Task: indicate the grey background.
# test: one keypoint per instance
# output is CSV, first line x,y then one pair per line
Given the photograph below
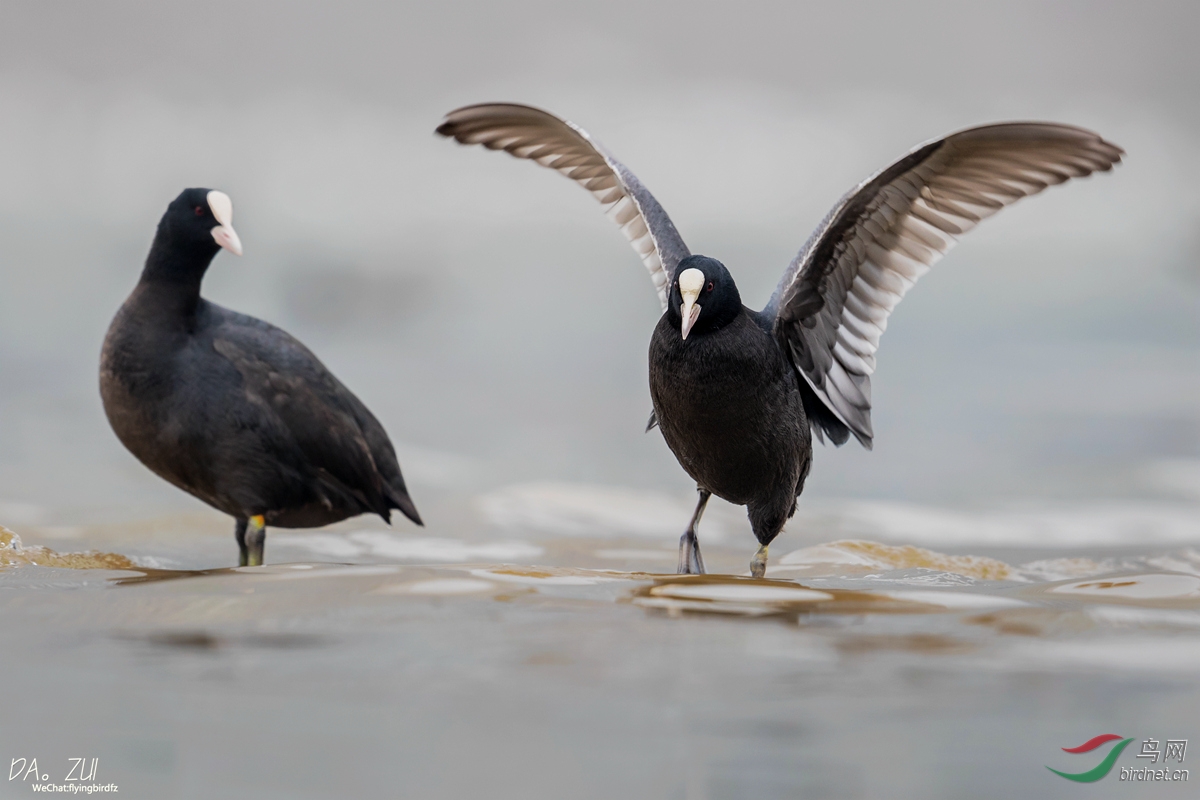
x,y
486,309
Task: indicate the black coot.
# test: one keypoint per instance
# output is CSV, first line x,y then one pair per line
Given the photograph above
x,y
736,392
234,410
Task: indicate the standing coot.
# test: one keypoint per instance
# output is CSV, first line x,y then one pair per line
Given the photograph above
x,y
234,410
736,391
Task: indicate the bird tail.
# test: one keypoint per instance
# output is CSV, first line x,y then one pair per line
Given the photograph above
x,y
398,498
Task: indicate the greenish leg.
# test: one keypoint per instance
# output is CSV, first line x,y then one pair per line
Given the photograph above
x,y
239,533
256,539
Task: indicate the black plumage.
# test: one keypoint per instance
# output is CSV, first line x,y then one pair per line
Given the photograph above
x,y
739,393
232,409
728,403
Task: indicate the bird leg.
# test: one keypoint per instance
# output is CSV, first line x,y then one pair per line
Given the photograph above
x,y
758,564
256,537
690,562
239,533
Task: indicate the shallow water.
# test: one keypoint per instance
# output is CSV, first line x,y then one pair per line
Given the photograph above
x,y
1010,572
509,660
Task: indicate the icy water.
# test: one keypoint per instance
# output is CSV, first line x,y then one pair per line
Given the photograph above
x,y
545,651
1012,571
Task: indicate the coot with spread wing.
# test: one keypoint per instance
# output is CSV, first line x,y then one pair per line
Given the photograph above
x,y
738,393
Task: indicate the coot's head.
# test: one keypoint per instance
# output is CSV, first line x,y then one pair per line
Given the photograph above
x,y
196,226
200,221
703,296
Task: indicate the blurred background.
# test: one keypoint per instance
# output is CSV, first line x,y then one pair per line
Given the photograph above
x,y
1037,405
492,317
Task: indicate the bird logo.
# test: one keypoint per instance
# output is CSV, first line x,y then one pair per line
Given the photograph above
x,y
1104,767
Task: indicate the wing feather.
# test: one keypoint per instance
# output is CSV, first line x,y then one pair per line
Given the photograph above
x,y
832,305
530,133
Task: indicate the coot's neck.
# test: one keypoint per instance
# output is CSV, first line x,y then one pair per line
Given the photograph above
x,y
173,274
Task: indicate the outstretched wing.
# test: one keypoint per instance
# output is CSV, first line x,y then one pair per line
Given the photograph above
x,y
527,132
833,302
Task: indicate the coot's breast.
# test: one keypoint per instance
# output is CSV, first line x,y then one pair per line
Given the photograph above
x,y
161,395
730,409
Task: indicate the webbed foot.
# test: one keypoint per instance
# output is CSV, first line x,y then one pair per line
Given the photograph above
x,y
758,564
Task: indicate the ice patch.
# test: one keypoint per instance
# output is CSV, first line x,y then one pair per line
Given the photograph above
x,y
439,587
1144,617
389,545
330,545
715,594
1092,525
550,576
955,601
1136,587
1062,569
737,592
155,562
308,571
1187,560
1130,653
862,555
629,554
381,544
585,510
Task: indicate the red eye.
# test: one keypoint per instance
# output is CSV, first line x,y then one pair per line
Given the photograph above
x,y
710,287
199,211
